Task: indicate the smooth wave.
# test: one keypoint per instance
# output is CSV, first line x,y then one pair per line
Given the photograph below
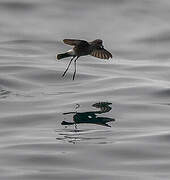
x,y
130,139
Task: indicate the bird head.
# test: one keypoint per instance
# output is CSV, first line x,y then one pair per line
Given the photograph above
x,y
98,43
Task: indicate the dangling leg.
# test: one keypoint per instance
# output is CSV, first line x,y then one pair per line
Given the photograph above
x,y
68,66
75,67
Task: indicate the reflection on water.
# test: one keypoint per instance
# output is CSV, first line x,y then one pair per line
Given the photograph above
x,y
76,134
91,116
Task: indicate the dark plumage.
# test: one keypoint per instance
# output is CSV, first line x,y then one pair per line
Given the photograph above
x,y
83,48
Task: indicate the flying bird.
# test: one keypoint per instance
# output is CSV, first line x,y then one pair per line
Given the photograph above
x,y
83,48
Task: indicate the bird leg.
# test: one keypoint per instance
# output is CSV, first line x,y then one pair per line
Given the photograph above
x,y
68,66
75,67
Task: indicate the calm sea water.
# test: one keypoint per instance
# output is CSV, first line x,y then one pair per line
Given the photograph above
x,y
35,99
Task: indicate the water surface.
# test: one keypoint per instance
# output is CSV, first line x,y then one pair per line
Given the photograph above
x,y
33,96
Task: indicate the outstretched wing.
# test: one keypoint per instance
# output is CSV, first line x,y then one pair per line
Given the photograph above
x,y
72,42
101,53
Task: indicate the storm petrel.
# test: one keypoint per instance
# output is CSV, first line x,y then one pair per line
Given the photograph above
x,y
83,48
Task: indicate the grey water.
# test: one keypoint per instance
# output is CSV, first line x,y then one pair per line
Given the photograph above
x,y
35,99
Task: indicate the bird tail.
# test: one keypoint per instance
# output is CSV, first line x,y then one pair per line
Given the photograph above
x,y
67,123
63,55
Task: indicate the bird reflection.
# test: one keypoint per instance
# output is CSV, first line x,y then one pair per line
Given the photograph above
x,y
91,117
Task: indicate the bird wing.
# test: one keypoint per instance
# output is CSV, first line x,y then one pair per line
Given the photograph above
x,y
101,53
72,42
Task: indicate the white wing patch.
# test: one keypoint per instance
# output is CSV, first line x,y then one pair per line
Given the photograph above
x,y
71,52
